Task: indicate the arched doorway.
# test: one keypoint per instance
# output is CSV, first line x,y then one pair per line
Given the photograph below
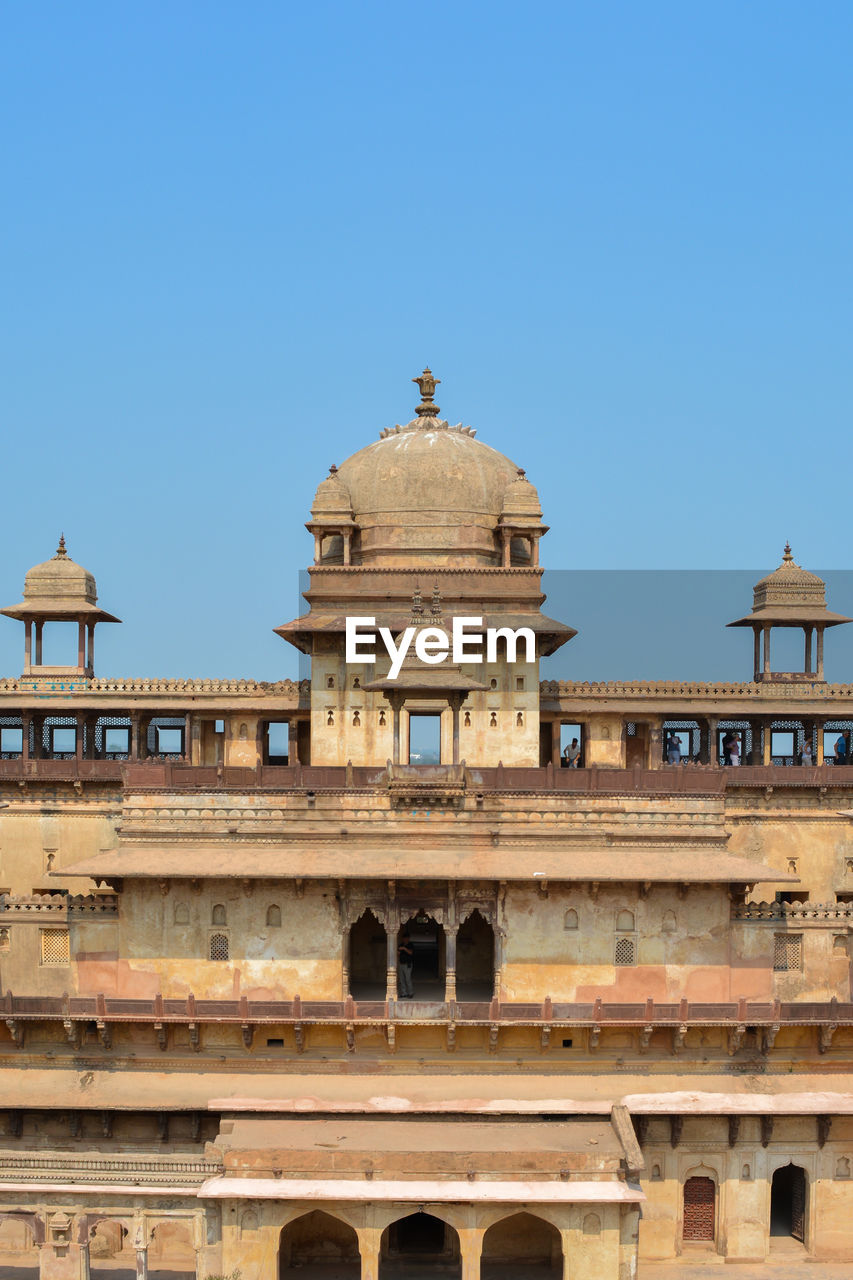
x,y
788,1203
171,1253
475,959
419,1245
368,958
700,1202
428,945
522,1245
319,1246
19,1254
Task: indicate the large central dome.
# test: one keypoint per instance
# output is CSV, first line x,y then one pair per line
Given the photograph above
x,y
428,489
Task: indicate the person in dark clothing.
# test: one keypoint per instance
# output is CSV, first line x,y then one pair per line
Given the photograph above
x,y
405,960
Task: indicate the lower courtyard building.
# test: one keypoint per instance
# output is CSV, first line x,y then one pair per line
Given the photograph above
x,y
623,911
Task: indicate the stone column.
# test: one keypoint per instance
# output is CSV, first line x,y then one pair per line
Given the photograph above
x,y
555,744
818,742
807,632
134,737
292,742
756,652
766,651
450,963
471,1247
455,701
28,644
39,629
369,1239
499,957
396,706
820,653
391,938
345,961
26,720
90,665
81,644
79,730
713,755
85,1264
767,754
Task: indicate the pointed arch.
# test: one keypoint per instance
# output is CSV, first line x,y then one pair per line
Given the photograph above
x,y
417,1244
788,1202
368,957
315,1242
475,958
521,1244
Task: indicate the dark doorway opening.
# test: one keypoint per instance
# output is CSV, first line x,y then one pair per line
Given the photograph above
x,y
419,1245
368,958
428,945
788,1203
475,959
319,1247
424,738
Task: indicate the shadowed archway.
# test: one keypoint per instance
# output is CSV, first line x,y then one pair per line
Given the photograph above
x,y
419,1245
368,958
521,1246
475,959
788,1203
318,1247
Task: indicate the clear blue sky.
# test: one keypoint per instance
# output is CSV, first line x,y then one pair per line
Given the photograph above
x,y
620,234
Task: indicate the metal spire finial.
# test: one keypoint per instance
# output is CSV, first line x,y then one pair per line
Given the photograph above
x,y
788,555
61,553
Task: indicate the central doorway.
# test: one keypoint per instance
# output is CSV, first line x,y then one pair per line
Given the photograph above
x,y
428,944
424,738
419,1245
788,1203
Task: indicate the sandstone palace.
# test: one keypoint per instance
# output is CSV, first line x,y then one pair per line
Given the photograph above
x,y
629,1032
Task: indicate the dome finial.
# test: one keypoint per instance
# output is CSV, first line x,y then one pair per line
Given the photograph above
x,y
61,553
788,555
427,384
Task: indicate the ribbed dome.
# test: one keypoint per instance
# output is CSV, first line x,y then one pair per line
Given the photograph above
x,y
332,502
428,490
521,501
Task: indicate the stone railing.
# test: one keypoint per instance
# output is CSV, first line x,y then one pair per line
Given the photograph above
x,y
179,1171
794,911
747,690
136,685
59,904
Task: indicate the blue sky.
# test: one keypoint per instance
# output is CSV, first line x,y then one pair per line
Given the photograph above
x,y
619,233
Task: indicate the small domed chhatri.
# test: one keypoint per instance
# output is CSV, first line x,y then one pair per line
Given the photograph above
x,y
59,590
429,490
789,597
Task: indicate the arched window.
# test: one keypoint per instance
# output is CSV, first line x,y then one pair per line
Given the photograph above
x,y
274,916
625,921
218,946
570,920
218,914
182,913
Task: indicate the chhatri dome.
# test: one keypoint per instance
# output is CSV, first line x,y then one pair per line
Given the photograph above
x,y
430,490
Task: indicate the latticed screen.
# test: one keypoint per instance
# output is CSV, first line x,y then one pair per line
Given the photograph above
x,y
218,946
55,946
787,951
699,1209
625,951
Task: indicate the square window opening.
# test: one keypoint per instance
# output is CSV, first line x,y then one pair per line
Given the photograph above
x,y
11,742
277,741
424,739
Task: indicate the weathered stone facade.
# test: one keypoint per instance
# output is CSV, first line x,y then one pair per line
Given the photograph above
x,y
632,1029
